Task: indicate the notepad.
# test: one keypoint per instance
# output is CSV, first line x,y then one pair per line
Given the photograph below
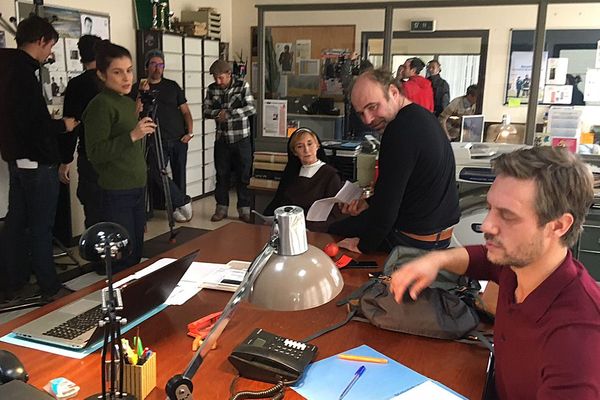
x,y
327,378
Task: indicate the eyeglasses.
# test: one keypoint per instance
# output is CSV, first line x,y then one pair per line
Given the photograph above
x,y
157,65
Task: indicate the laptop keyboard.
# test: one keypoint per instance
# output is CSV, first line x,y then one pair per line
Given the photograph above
x,y
77,325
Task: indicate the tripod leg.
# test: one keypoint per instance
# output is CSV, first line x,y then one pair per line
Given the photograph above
x,y
162,168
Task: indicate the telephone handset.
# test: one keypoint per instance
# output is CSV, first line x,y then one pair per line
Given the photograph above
x,y
266,357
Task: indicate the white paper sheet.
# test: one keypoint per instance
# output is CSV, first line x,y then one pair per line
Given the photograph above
x,y
192,282
427,390
320,209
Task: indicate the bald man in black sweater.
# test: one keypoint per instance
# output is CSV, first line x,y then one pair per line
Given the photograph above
x,y
415,201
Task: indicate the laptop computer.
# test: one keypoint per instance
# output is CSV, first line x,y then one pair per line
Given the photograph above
x,y
471,129
76,324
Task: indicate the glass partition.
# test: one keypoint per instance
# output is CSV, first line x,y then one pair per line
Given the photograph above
x,y
310,61
568,113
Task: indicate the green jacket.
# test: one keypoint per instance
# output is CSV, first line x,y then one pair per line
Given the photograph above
x,y
108,120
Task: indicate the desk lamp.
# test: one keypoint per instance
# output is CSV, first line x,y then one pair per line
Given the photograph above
x,y
287,275
107,241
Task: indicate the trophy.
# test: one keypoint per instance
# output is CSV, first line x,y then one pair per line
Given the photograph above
x,y
154,14
163,9
170,21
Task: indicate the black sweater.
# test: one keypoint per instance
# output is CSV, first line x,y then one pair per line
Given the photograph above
x,y
416,190
27,129
80,91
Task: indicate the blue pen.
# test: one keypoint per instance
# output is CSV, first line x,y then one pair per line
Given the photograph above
x,y
357,375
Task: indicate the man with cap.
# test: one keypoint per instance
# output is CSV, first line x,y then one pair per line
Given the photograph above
x,y
174,119
229,102
80,91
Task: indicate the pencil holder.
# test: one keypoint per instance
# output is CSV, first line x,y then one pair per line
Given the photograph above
x,y
139,380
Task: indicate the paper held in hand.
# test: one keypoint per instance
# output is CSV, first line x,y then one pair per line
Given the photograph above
x,y
320,209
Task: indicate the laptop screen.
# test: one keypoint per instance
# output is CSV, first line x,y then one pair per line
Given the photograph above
x,y
471,129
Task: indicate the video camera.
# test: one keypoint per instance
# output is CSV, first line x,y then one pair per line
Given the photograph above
x,y
149,104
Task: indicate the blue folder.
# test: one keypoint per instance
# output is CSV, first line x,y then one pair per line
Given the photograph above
x,y
327,379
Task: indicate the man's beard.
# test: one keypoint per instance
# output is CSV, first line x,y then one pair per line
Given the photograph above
x,y
526,253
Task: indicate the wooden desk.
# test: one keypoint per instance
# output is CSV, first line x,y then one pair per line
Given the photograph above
x,y
459,366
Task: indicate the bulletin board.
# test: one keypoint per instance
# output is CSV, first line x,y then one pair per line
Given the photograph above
x,y
302,75
70,24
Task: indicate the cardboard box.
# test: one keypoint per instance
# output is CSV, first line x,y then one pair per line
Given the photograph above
x,y
139,380
195,28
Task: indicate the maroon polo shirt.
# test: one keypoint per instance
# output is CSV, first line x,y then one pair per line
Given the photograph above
x,y
548,346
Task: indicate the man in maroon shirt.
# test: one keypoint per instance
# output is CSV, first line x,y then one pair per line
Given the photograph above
x,y
547,329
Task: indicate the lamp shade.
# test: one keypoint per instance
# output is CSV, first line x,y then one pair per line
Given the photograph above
x,y
94,240
299,279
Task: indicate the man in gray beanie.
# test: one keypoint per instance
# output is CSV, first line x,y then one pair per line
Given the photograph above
x,y
176,127
229,102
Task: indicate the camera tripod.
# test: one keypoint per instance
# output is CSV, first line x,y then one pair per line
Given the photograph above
x,y
161,165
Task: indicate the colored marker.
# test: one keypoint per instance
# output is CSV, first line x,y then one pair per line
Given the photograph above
x,y
352,357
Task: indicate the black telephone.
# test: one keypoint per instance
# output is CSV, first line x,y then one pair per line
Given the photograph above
x,y
266,357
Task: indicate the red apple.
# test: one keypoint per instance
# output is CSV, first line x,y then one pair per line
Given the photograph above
x,y
331,249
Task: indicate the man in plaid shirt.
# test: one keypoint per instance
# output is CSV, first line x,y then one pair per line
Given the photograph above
x,y
229,102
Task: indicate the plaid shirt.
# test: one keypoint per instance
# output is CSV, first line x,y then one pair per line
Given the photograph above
x,y
239,103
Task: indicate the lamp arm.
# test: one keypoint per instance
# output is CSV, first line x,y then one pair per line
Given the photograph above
x,y
180,386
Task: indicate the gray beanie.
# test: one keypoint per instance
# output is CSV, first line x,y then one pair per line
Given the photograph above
x,y
153,53
220,67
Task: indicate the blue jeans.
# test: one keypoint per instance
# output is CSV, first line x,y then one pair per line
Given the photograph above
x,y
126,208
175,153
236,156
26,240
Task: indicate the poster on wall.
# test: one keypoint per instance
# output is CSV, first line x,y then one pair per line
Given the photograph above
x,y
72,55
275,118
592,86
66,21
95,25
519,75
558,94
285,56
303,48
308,67
556,72
58,54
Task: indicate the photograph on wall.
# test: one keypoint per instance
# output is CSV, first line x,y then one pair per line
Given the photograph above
x,y
58,85
94,25
519,75
303,48
66,22
556,72
275,118
285,56
58,55
558,94
72,55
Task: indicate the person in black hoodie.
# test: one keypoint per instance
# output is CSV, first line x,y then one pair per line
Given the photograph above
x,y
28,143
441,89
80,91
